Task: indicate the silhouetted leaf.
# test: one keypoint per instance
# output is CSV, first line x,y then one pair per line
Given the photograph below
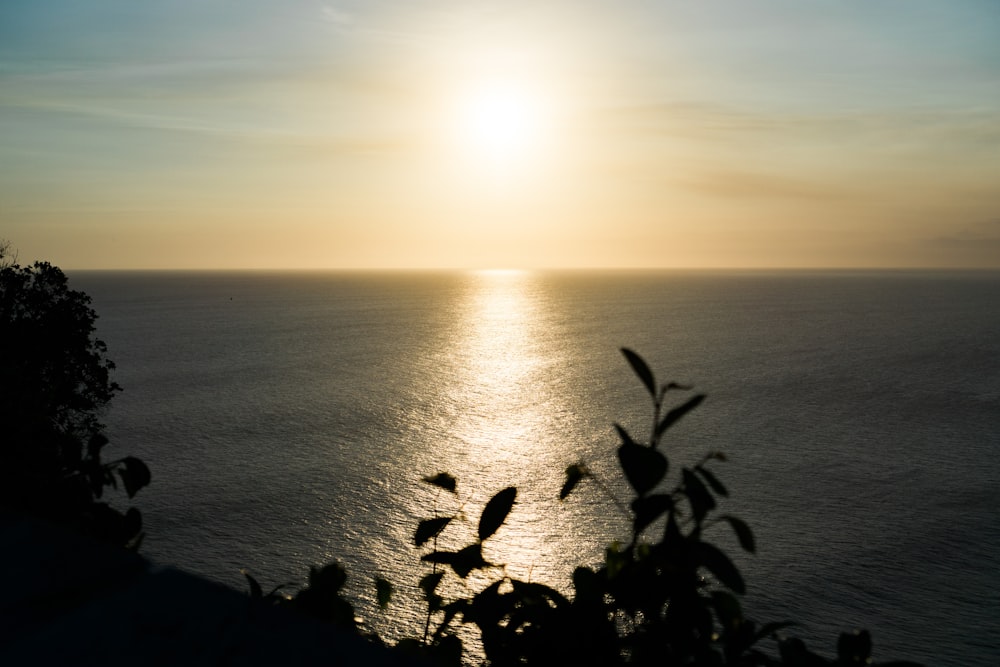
x,y
615,559
643,467
701,500
429,528
134,474
96,476
533,592
496,511
728,609
135,543
447,651
451,610
328,579
256,593
719,565
650,508
673,542
383,592
574,474
443,480
429,583
106,475
712,480
323,604
488,606
854,648
587,585
462,562
671,417
276,594
641,369
94,445
442,557
624,435
468,559
769,629
743,532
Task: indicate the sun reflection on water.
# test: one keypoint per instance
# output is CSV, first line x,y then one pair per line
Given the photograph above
x,y
496,413
510,418
497,360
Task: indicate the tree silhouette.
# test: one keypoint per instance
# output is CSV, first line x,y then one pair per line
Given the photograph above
x,y
55,382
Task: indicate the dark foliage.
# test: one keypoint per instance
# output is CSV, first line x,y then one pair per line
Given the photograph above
x,y
55,381
667,597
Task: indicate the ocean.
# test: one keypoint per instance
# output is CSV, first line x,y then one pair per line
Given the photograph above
x,y
288,418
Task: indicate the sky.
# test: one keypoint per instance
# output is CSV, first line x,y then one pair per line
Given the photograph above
x,y
521,134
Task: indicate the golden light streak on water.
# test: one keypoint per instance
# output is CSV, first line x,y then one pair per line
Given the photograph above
x,y
499,416
512,419
496,366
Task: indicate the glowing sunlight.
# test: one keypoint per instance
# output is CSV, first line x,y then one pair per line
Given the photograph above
x,y
502,122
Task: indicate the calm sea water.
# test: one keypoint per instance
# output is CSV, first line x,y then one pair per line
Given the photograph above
x,y
288,418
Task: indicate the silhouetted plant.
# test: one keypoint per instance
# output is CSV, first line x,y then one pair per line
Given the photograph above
x,y
666,597
54,384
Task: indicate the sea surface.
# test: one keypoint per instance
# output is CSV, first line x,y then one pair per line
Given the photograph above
x,y
288,418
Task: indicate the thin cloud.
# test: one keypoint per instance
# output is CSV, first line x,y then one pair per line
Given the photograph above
x,y
985,234
337,17
235,98
976,245
755,185
687,117
270,139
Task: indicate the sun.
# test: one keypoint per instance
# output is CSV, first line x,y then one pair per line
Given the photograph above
x,y
502,121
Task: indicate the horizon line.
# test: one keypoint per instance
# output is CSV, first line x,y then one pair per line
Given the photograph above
x,y
520,270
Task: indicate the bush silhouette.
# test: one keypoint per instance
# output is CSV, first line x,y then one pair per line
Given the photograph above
x,y
54,384
667,596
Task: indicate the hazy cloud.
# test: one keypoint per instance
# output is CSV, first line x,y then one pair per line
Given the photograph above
x,y
975,236
974,245
757,185
704,118
336,16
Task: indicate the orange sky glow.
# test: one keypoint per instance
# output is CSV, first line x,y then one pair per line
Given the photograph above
x,y
440,134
